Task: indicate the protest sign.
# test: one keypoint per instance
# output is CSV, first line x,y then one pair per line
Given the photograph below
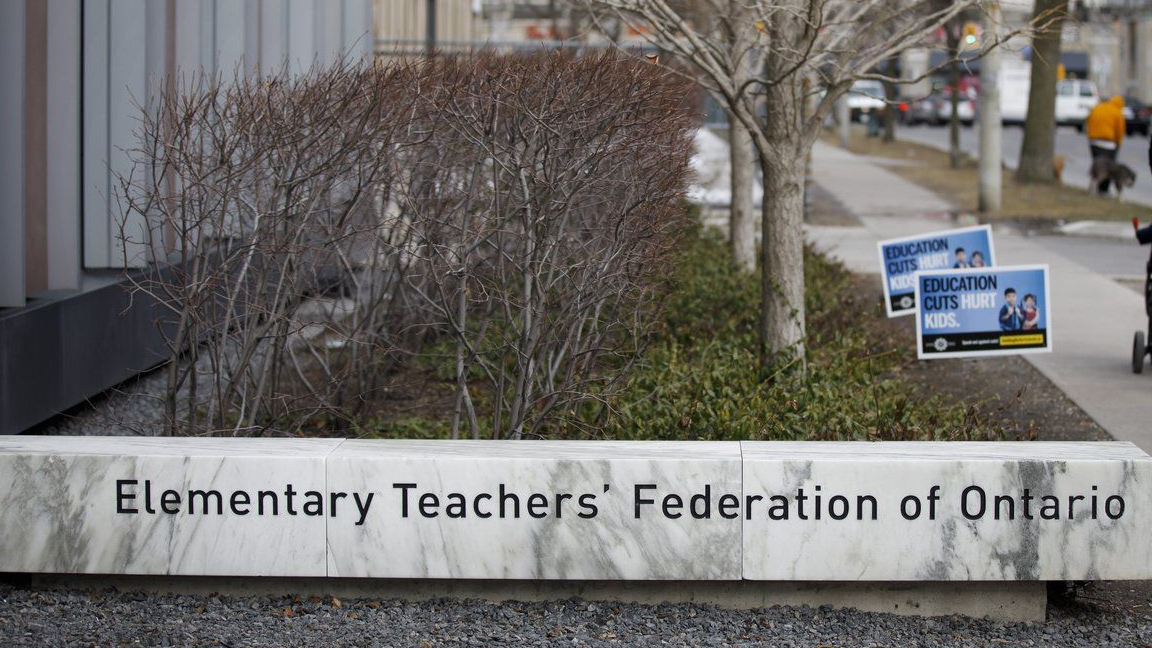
x,y
979,312
968,247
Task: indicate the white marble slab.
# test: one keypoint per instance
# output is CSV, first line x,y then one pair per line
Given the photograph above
x,y
611,545
78,505
59,501
952,546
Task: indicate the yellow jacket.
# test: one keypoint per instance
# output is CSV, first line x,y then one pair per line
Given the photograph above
x,y
1106,121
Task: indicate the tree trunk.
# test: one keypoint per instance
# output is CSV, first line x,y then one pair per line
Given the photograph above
x,y
892,107
1040,125
741,232
741,221
953,31
782,217
843,122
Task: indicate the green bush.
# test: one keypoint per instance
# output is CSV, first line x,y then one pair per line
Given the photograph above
x,y
700,378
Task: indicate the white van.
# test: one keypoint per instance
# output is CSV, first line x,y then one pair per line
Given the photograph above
x,y
865,99
1075,98
1015,79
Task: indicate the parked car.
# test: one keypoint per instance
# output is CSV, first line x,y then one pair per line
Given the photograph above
x,y
866,98
1136,116
936,109
1075,98
965,108
922,111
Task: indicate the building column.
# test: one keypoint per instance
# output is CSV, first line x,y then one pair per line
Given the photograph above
x,y
63,144
12,153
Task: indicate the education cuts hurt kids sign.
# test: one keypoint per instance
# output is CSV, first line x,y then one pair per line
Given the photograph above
x,y
968,247
975,312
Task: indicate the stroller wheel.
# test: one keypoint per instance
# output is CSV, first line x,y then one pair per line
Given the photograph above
x,y
1138,350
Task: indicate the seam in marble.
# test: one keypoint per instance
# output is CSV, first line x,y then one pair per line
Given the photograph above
x,y
743,565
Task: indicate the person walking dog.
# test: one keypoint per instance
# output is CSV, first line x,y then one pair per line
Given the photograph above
x,y
1105,129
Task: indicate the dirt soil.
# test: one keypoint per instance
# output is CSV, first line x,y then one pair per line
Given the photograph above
x,y
1007,391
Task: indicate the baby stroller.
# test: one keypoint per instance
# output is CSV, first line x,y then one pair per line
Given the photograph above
x,y
1140,347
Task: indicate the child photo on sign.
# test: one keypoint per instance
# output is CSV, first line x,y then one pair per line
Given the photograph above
x,y
1011,317
1031,313
961,258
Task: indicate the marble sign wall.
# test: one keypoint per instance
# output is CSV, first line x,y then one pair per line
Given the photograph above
x,y
576,510
105,505
536,510
949,511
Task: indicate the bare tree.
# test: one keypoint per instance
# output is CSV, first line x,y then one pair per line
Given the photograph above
x,y
742,157
741,215
1039,143
545,213
741,219
800,57
258,197
307,236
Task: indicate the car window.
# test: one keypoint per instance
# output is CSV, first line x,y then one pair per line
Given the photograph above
x,y
1086,90
1064,90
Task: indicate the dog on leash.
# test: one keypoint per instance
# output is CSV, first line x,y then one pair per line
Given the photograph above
x,y
1120,175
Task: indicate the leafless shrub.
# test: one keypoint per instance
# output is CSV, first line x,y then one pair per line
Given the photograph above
x,y
306,234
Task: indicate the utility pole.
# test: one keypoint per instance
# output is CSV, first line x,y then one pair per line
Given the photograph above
x,y
990,127
430,29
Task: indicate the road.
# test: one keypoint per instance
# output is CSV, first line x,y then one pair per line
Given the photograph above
x,y
1069,143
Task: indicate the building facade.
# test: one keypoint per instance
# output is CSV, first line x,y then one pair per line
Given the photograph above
x,y
76,75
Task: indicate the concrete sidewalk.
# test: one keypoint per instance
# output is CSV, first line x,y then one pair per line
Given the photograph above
x,y
1093,317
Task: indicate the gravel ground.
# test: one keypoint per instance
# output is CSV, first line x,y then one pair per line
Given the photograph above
x,y
58,618
135,407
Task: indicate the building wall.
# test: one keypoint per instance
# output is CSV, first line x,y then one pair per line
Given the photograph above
x,y
130,44
1100,41
1142,66
76,75
400,26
